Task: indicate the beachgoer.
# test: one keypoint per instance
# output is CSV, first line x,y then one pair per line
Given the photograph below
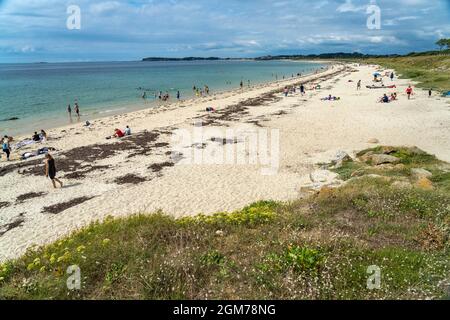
x,y
77,109
392,76
69,110
36,137
393,97
128,131
358,86
50,170
178,95
118,133
409,92
286,91
6,147
302,89
430,93
43,136
144,95
242,84
385,99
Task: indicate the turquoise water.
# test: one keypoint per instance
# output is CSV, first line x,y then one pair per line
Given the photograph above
x,y
38,94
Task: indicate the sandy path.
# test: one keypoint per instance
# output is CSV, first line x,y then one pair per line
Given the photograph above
x,y
311,131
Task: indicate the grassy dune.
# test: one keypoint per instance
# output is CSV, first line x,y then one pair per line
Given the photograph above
x,y
431,71
314,248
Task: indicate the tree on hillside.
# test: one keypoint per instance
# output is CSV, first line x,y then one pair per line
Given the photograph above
x,y
443,43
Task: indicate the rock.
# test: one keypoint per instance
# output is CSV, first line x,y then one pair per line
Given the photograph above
x,y
388,150
425,184
419,173
340,158
220,233
11,119
326,192
402,185
378,159
323,176
367,156
400,166
417,151
373,141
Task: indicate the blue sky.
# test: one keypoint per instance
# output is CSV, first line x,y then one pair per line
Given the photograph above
x,y
35,30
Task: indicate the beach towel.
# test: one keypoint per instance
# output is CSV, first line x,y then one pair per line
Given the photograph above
x,y
381,87
23,143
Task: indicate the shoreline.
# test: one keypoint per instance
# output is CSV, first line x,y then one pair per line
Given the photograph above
x,y
62,119
154,104
104,177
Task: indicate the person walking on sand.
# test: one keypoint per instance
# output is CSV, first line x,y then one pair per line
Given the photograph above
x,y
6,147
358,86
302,89
430,93
409,92
392,76
50,170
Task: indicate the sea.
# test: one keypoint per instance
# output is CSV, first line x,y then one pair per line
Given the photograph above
x,y
36,96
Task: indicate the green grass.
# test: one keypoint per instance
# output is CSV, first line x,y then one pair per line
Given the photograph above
x,y
431,71
315,248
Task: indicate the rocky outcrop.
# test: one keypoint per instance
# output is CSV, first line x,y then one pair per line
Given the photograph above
x,y
419,173
378,159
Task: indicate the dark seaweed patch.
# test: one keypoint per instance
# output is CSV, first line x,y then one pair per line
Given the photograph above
x,y
4,204
130,179
60,207
28,196
9,226
157,167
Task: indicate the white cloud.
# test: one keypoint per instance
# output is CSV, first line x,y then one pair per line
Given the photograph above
x,y
348,6
103,7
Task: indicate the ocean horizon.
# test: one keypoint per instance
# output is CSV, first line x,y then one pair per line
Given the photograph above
x,y
36,95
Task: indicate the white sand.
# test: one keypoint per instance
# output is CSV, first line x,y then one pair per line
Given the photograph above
x,y
311,131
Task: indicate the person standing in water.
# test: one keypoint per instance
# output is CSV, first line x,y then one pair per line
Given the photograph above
x,y
77,109
69,110
178,95
242,84
50,170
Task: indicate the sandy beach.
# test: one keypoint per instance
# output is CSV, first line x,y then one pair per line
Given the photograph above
x,y
145,173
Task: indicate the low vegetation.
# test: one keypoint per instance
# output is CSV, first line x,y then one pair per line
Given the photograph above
x,y
431,71
321,247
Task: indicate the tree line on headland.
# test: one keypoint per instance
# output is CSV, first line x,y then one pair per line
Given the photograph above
x,y
443,44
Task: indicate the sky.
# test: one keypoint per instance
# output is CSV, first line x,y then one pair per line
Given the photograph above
x,y
120,30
